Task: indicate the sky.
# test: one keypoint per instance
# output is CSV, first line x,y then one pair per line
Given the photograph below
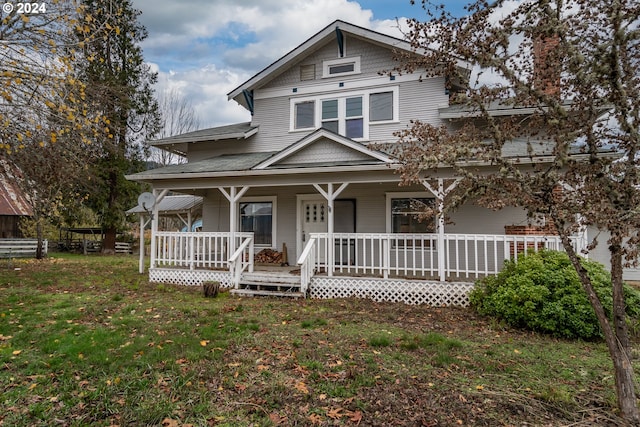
x,y
203,49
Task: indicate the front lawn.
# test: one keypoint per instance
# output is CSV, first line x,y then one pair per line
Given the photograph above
x,y
88,341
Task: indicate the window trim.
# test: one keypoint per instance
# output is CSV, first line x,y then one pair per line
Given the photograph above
x,y
341,97
407,195
274,216
326,66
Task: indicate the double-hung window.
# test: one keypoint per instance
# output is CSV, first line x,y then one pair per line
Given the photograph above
x,y
348,114
381,107
344,116
305,115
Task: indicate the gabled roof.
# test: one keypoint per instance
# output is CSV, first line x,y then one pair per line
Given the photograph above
x,y
324,36
178,143
348,150
302,154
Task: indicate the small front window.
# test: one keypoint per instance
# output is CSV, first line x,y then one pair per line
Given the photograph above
x,y
257,217
406,216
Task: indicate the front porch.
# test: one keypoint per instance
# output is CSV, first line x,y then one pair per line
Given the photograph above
x,y
435,269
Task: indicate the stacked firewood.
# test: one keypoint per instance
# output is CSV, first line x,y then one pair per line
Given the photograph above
x,y
269,256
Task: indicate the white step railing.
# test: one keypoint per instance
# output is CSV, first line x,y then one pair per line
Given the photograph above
x,y
307,263
241,260
194,249
417,255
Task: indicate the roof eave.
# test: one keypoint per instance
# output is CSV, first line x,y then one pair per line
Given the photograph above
x,y
293,55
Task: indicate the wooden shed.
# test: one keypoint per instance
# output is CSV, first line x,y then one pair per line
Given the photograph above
x,y
13,204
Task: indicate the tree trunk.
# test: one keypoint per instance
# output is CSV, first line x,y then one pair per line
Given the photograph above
x,y
616,337
625,384
39,248
109,241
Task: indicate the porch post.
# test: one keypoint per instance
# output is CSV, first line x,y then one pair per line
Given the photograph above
x,y
331,196
154,226
233,196
141,259
440,194
441,249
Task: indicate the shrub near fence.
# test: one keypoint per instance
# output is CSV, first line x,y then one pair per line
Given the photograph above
x,y
542,292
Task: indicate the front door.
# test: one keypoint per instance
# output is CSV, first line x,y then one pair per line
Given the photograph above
x,y
314,218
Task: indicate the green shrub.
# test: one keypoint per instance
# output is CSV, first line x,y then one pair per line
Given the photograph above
x,y
542,292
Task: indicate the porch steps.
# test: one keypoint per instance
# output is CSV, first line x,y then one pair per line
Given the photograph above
x,y
266,283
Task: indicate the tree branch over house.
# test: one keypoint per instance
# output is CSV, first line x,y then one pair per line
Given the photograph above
x,y
560,77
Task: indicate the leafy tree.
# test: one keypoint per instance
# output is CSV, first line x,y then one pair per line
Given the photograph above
x,y
120,86
567,72
46,123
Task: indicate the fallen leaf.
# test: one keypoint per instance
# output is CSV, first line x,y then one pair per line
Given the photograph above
x,y
277,419
315,419
356,417
204,343
168,422
16,352
335,413
302,387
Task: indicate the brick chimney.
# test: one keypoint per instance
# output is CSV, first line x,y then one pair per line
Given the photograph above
x,y
546,64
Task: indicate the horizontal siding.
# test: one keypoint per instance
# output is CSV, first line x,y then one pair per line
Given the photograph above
x,y
374,59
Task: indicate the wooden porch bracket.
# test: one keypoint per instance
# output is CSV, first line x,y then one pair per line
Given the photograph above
x,y
233,196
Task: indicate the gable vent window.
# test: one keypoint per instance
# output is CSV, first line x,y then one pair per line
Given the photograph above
x,y
341,67
307,72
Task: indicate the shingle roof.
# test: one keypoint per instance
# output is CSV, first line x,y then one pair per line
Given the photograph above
x,y
169,204
224,163
234,131
12,200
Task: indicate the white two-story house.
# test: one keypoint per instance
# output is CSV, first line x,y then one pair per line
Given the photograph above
x,y
302,176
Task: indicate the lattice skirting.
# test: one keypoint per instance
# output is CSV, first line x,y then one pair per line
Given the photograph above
x,y
189,277
411,292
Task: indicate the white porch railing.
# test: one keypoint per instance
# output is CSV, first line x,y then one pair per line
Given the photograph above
x,y
417,255
195,249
